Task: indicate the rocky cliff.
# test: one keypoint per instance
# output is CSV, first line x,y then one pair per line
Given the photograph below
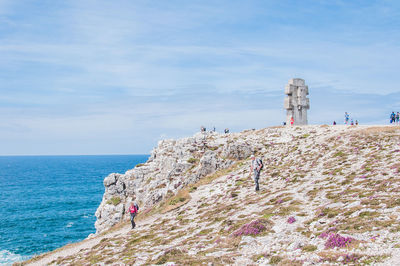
x,y
173,164
329,196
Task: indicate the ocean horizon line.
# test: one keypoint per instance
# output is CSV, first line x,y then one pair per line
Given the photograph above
x,y
66,155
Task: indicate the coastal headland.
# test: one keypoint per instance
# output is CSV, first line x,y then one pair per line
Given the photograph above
x,y
328,194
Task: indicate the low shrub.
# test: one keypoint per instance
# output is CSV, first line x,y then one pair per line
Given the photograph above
x,y
254,228
336,240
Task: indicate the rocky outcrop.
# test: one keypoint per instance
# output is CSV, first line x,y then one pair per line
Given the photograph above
x,y
172,165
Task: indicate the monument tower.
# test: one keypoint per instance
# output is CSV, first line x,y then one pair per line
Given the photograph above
x,y
296,102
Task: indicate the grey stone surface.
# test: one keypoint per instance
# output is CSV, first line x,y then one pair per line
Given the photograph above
x,y
296,102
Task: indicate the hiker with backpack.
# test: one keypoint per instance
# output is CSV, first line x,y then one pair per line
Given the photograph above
x,y
256,167
133,210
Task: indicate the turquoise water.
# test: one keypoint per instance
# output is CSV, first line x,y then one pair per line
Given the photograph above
x,y
49,201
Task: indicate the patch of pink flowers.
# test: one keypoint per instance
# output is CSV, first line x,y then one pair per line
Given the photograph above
x,y
327,232
336,240
291,220
253,228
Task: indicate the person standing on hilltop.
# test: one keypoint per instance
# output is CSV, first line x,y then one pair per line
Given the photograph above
x,y
346,118
397,118
392,118
133,210
256,166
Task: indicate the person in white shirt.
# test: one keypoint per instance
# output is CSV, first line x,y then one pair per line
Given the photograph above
x,y
256,166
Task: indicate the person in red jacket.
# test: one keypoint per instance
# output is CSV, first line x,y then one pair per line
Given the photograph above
x,y
133,210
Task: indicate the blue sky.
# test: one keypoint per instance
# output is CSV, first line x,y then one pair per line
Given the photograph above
x,y
114,77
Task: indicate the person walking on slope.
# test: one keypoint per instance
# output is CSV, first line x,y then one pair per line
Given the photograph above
x,y
256,166
133,210
397,118
291,121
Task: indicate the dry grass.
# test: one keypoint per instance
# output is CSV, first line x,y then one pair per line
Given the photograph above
x,y
209,178
180,199
377,130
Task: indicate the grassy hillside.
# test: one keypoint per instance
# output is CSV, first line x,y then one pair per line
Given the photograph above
x,y
328,195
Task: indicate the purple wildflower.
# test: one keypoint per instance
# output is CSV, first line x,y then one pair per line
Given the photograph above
x,y
328,232
291,220
336,240
253,228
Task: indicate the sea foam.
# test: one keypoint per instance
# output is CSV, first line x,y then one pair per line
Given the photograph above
x,y
8,258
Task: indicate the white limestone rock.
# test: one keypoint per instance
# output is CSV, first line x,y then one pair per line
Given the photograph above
x,y
171,166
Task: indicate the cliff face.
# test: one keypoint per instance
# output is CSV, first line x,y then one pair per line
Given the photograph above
x,y
329,195
172,165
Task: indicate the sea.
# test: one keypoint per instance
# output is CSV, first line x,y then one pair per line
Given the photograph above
x,y
47,202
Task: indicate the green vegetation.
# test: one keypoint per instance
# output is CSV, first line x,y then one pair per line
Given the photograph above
x,y
192,160
275,260
339,154
114,201
175,201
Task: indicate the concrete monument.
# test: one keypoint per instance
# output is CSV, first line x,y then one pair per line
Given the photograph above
x,y
296,102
